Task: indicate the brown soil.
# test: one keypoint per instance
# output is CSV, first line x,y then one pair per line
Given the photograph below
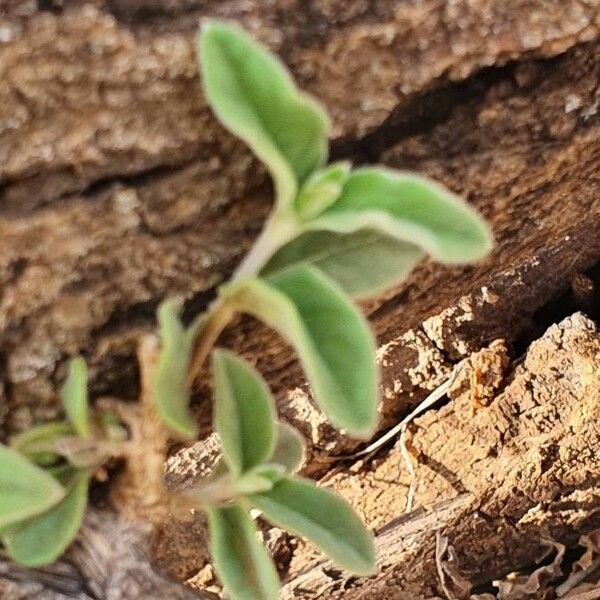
x,y
118,188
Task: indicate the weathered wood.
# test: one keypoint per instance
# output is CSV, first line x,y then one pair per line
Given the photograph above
x,y
131,102
118,188
513,475
109,561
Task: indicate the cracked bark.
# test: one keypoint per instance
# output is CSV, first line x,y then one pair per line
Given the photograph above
x,y
498,484
117,188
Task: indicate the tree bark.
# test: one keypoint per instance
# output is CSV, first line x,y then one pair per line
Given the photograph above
x,y
118,188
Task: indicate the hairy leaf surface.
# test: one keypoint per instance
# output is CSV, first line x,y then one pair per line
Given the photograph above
x,y
254,96
362,263
42,539
74,396
323,518
410,208
329,334
244,413
26,490
170,379
244,566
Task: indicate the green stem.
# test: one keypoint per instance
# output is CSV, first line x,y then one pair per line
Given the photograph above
x,y
217,317
278,231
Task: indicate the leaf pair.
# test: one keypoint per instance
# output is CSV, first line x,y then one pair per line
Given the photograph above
x,y
244,419
379,227
328,332
42,510
40,540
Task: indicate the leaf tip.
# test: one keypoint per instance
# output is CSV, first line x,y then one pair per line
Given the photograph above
x,y
211,25
362,430
368,567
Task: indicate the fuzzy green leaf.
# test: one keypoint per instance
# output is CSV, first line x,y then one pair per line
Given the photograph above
x,y
170,379
330,335
290,448
244,566
25,489
321,190
74,396
42,539
323,518
410,208
244,413
259,479
254,96
362,263
37,442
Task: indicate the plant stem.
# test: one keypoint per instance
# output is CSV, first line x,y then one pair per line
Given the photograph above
x,y
217,317
277,231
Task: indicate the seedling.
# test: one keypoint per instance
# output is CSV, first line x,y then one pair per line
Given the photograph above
x,y
335,234
45,473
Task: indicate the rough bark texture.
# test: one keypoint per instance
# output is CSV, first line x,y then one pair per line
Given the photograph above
x,y
523,471
118,188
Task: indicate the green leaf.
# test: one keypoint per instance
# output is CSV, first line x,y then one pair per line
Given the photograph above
x,y
321,190
323,518
410,208
25,489
259,479
330,335
171,386
290,448
41,540
244,566
74,396
253,95
37,442
362,263
244,413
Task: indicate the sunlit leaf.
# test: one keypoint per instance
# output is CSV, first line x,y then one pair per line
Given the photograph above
x,y
299,506
290,448
410,208
363,263
244,412
244,566
329,334
42,539
74,396
254,96
321,190
171,387
26,490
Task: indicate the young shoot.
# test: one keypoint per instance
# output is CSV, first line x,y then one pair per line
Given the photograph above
x,y
335,234
45,474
